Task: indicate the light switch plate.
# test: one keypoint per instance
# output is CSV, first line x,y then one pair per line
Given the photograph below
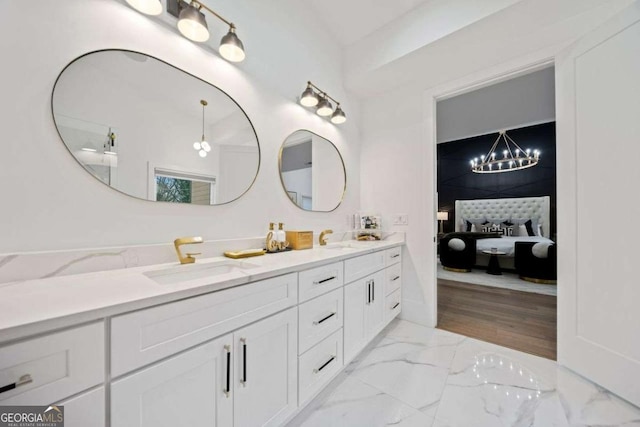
x,y
401,219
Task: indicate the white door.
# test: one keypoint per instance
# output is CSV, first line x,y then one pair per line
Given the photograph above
x,y
356,297
266,390
598,130
185,390
375,309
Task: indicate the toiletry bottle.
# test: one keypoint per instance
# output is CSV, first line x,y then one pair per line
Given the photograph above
x,y
271,229
281,235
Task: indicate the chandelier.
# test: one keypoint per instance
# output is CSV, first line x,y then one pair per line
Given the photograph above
x,y
513,157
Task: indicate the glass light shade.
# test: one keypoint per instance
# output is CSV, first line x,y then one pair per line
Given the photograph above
x,y
231,48
193,25
325,108
197,146
205,146
202,153
148,7
309,98
338,116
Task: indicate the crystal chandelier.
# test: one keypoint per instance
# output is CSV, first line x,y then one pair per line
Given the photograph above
x,y
513,157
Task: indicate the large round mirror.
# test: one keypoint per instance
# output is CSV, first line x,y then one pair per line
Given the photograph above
x,y
153,131
312,172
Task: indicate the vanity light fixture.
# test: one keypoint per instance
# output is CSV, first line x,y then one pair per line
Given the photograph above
x,y
193,25
313,96
148,7
202,147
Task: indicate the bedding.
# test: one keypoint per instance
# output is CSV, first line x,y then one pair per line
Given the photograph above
x,y
507,244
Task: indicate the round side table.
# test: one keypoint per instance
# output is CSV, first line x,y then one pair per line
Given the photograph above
x,y
494,264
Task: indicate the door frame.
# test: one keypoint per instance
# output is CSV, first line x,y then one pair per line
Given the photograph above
x,y
506,71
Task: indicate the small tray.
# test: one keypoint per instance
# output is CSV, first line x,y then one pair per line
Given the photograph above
x,y
244,254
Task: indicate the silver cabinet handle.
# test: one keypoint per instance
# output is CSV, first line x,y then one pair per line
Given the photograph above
x,y
243,381
395,256
394,307
227,390
395,278
317,322
320,282
373,290
368,292
25,379
324,365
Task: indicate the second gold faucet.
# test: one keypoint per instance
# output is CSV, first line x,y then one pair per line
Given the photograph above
x,y
323,237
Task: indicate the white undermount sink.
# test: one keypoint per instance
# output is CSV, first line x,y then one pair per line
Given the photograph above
x,y
183,273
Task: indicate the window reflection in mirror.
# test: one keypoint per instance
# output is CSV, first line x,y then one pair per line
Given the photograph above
x,y
154,132
312,172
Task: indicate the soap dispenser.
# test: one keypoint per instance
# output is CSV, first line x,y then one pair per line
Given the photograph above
x,y
281,236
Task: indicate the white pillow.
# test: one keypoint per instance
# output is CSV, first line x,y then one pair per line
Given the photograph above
x,y
541,250
540,230
522,230
457,244
474,229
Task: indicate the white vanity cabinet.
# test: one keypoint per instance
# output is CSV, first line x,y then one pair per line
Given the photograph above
x,y
190,389
363,312
245,378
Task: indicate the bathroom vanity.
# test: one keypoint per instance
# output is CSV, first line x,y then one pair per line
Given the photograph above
x,y
220,342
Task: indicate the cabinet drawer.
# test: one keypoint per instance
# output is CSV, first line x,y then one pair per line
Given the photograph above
x,y
319,318
356,268
85,410
59,365
393,280
318,366
144,336
392,305
393,255
320,280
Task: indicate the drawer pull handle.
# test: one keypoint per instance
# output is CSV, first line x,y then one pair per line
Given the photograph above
x,y
317,322
324,365
396,305
373,290
395,278
395,256
227,390
243,381
369,292
328,279
25,379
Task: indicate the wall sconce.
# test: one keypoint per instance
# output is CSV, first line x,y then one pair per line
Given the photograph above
x,y
313,96
192,24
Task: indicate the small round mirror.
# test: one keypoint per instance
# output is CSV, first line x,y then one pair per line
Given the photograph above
x,y
312,172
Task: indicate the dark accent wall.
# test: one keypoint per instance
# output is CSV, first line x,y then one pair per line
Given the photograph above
x,y
457,182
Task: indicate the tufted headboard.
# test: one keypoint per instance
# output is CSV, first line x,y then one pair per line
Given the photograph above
x,y
523,207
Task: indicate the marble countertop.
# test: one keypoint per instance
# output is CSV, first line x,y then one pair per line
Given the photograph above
x,y
36,306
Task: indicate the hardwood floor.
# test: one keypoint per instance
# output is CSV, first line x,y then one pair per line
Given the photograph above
x,y
520,320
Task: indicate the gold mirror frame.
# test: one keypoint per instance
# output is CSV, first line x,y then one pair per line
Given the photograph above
x,y
344,170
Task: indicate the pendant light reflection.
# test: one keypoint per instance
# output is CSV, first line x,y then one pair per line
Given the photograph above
x,y
192,23
313,96
202,147
148,7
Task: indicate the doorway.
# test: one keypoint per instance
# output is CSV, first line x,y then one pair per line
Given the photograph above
x,y
496,198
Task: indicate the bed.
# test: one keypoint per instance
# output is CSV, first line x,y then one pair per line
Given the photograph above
x,y
535,208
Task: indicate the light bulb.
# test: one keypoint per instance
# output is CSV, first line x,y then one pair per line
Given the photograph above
x,y
231,48
202,153
197,146
338,116
324,108
309,98
205,146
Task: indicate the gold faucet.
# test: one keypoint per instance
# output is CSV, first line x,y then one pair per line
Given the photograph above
x,y
190,258
323,239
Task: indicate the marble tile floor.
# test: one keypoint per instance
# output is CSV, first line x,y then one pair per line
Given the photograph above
x,y
412,375
508,280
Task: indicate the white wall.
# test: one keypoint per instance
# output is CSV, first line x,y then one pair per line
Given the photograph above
x,y
519,102
398,147
52,203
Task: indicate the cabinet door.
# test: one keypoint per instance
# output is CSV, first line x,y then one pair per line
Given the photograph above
x,y
185,390
86,409
266,371
374,318
356,299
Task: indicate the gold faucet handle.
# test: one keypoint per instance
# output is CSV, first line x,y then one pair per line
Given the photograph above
x,y
192,254
323,238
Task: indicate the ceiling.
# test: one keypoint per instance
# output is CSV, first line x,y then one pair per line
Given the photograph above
x,y
351,20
